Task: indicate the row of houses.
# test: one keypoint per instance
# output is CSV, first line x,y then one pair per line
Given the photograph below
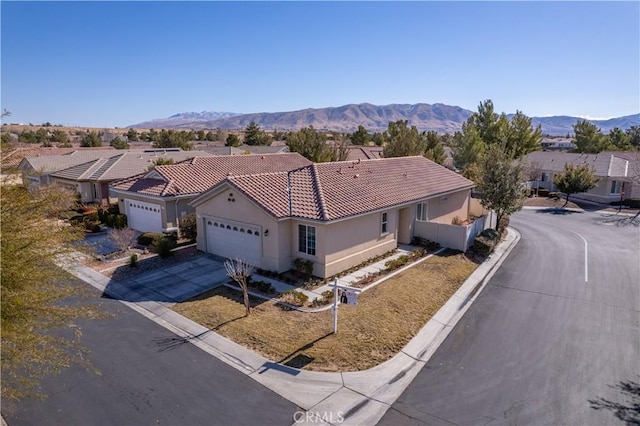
x,y
272,208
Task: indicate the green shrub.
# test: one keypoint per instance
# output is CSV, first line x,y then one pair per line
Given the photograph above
x,y
327,295
133,260
147,238
486,241
164,245
295,297
188,228
634,203
304,267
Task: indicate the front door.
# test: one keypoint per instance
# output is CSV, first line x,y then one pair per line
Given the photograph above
x,y
405,223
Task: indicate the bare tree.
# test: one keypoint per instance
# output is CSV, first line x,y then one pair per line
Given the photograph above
x,y
240,271
122,238
534,170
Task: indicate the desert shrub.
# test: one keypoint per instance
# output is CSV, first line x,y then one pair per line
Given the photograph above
x,y
188,227
90,226
327,295
133,260
304,267
147,238
504,222
634,203
486,241
295,297
543,192
397,263
164,245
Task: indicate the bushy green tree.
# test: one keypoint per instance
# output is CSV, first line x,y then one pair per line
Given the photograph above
x,y
232,140
132,135
118,143
575,179
403,141
500,182
35,292
521,137
619,139
91,139
589,139
360,136
434,150
311,144
202,135
173,139
188,227
254,135
633,133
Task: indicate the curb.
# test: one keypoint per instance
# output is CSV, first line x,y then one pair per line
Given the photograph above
x,y
364,396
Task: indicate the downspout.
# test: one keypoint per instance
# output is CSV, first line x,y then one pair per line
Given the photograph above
x,y
177,222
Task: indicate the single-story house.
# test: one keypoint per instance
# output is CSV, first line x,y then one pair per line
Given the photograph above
x,y
613,171
218,149
336,215
356,152
155,201
89,172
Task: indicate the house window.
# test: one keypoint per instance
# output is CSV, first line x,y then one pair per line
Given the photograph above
x,y
615,187
543,177
421,214
307,239
384,223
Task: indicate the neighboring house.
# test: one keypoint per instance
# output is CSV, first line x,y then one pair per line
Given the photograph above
x,y
89,172
336,215
612,170
242,149
155,201
556,144
363,152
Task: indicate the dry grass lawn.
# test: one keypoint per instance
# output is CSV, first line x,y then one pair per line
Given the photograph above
x,y
382,323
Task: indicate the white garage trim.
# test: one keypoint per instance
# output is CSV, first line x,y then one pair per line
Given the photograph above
x,y
143,217
232,239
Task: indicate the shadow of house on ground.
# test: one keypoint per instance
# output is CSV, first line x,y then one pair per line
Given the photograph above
x,y
619,220
628,410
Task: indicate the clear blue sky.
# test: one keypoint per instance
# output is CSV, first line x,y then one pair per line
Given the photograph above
x,y
119,63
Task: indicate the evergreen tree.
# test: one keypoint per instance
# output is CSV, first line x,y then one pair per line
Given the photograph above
x,y
253,135
360,136
403,140
434,150
589,139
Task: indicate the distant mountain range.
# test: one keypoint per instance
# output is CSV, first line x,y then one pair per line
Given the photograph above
x,y
438,117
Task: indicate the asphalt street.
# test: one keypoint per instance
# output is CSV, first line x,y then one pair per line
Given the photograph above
x,y
147,377
549,341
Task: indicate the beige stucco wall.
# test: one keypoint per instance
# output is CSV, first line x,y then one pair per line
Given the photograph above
x,y
350,242
444,209
244,211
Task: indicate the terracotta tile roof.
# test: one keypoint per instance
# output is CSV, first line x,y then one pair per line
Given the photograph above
x,y
330,191
364,152
605,164
198,175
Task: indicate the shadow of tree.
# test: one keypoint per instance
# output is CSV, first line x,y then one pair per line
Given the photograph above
x,y
296,359
627,411
619,220
558,211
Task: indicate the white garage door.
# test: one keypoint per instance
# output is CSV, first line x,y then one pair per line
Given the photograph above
x,y
234,240
143,217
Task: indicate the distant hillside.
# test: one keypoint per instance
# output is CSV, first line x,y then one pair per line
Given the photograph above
x,y
177,120
439,117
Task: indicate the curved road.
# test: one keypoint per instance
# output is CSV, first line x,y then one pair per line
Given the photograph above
x,y
548,341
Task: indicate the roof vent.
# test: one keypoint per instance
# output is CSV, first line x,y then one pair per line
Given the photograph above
x,y
262,157
340,170
356,176
229,174
405,174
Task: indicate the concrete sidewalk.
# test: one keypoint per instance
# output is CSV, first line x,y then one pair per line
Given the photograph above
x,y
350,398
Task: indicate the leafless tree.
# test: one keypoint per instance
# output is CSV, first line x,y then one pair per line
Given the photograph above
x,y
122,238
534,170
240,271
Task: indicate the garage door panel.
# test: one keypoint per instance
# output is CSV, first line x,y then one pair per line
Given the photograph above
x,y
143,217
234,240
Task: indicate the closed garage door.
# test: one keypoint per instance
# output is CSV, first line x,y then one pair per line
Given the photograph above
x,y
143,217
234,240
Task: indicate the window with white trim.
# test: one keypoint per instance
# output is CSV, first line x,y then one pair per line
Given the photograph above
x,y
615,187
307,239
384,223
421,213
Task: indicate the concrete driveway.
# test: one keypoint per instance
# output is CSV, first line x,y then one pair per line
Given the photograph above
x,y
171,284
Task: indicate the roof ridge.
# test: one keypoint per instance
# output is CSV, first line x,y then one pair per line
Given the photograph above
x,y
117,158
318,188
232,176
